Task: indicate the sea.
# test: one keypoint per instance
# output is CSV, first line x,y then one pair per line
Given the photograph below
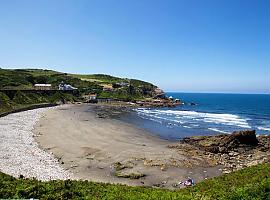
x,y
205,114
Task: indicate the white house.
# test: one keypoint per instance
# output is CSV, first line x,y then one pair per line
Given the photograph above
x,y
63,86
43,86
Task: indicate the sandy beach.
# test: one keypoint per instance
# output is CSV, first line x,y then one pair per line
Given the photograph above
x,y
108,150
19,152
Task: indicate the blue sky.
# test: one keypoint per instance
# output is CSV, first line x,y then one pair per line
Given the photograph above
x,y
180,45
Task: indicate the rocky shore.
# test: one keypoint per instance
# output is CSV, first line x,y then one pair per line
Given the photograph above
x,y
20,155
231,151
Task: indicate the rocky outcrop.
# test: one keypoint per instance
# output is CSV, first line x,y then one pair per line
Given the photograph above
x,y
231,151
225,143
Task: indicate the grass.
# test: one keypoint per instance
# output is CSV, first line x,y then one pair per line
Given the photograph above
x,y
249,183
23,100
26,78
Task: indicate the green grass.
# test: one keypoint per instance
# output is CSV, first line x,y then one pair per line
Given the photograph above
x,y
249,183
26,78
25,99
100,78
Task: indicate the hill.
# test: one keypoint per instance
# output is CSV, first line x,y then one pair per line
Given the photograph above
x,y
105,86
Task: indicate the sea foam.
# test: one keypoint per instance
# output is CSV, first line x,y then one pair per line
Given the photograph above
x,y
181,117
263,128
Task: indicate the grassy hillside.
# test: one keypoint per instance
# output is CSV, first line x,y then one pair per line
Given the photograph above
x,y
250,183
23,100
126,89
26,78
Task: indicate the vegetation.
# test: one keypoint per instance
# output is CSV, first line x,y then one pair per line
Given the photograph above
x,y
22,99
5,104
125,89
26,78
250,183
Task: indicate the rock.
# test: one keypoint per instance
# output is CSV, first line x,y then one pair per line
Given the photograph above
x,y
120,166
157,185
243,137
135,175
240,140
226,171
175,185
222,149
163,182
163,167
252,163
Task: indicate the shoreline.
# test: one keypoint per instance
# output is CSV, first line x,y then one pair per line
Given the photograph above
x,y
89,142
112,151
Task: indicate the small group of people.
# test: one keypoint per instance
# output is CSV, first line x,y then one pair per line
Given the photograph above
x,y
188,182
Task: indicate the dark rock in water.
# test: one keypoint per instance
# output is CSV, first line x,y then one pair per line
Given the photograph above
x,y
193,104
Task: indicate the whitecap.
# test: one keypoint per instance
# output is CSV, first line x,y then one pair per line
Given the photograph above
x,y
186,127
263,128
185,116
216,130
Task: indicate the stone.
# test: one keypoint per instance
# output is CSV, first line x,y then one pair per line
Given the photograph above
x,y
132,175
244,137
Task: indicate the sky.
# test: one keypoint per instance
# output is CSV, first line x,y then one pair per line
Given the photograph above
x,y
179,45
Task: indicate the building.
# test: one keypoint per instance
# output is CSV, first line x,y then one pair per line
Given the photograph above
x,y
107,88
43,86
63,86
92,98
123,84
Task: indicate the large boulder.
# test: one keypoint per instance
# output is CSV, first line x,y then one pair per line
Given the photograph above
x,y
247,137
225,142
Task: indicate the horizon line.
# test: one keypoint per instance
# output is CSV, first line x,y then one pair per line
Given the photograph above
x,y
209,92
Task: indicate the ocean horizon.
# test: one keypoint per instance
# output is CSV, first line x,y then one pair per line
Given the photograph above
x,y
205,114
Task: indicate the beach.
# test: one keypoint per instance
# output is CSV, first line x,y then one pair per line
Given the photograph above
x,y
20,155
108,150
91,142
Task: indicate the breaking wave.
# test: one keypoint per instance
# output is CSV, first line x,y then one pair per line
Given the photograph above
x,y
263,128
188,119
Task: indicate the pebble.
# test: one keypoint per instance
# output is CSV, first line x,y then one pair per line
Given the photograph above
x,y
20,155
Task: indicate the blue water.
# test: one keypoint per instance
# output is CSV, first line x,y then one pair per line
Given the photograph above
x,y
212,114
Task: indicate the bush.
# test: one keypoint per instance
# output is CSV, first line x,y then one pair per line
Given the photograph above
x,y
22,98
5,103
250,183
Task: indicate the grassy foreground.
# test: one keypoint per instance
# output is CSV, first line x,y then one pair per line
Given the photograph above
x,y
250,183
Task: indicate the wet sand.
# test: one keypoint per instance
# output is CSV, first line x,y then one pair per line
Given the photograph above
x,y
89,147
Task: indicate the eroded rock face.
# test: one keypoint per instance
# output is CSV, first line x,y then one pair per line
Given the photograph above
x,y
241,137
225,143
